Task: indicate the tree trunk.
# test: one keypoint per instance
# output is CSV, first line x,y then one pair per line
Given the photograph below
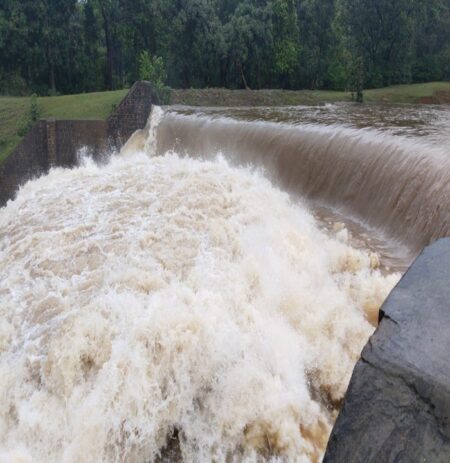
x,y
244,80
109,49
51,68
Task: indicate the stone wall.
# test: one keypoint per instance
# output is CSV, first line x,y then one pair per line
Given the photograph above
x,y
58,143
71,137
27,161
132,113
397,407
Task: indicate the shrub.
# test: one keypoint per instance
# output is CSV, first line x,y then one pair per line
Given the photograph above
x,y
152,68
34,114
13,84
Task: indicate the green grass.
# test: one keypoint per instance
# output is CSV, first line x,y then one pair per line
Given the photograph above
x,y
268,97
84,106
223,97
405,93
14,112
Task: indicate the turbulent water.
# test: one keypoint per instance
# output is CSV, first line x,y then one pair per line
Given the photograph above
x,y
171,298
384,165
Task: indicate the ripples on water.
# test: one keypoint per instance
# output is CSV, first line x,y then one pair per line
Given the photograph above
x,y
380,169
430,122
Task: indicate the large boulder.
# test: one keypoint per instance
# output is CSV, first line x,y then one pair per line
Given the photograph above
x,y
397,407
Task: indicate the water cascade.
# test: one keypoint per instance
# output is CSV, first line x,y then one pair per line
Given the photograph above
x,y
398,185
186,291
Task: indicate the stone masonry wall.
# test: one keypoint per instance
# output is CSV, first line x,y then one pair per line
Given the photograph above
x,y
52,142
131,114
72,136
27,161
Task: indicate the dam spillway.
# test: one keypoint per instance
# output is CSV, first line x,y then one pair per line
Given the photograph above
x,y
178,290
390,173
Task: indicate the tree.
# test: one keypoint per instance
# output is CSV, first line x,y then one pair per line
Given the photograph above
x,y
13,47
381,32
248,34
286,40
195,43
432,57
320,46
33,116
152,68
108,10
69,46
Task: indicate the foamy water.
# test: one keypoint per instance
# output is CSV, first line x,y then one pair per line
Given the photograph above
x,y
162,294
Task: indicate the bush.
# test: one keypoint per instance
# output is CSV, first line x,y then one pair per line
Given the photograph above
x,y
52,92
13,84
34,115
152,68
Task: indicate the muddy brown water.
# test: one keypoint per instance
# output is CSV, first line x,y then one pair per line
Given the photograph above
x,y
188,308
382,170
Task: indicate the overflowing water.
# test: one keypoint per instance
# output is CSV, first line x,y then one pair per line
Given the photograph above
x,y
366,162
178,297
429,123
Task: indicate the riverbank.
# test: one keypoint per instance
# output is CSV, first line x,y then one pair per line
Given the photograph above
x,y
14,110
428,93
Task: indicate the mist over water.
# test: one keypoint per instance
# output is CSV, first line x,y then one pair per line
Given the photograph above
x,y
178,291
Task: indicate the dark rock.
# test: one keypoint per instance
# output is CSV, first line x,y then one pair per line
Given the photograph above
x,y
171,453
397,407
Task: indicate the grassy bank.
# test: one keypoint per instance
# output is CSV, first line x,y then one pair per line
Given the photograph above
x,y
431,92
224,97
14,111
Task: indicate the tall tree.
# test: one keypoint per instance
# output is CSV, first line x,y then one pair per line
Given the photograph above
x,y
195,43
108,10
68,46
248,35
382,33
286,40
319,41
432,60
15,59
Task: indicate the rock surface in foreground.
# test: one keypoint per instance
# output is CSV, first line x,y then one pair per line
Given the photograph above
x,y
397,408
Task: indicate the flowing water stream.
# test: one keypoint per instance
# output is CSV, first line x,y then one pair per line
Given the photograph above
x,y
205,295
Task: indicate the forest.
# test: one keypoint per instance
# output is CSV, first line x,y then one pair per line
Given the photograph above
x,y
51,47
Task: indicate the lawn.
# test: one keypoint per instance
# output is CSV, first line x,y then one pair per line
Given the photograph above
x,y
405,93
14,112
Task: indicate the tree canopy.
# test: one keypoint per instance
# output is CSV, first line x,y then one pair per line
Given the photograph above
x,y
70,46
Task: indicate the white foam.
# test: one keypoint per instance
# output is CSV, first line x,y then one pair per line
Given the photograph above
x,y
145,140
160,293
